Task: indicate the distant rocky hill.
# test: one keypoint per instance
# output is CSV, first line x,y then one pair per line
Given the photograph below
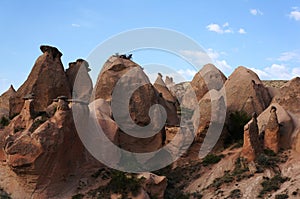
x,y
274,83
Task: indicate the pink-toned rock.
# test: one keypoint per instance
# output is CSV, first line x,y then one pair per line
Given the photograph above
x,y
252,146
208,78
83,86
154,185
46,81
272,136
128,74
169,102
289,97
286,124
4,101
246,92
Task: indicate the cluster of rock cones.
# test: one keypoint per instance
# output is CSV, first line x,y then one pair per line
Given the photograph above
x,y
42,155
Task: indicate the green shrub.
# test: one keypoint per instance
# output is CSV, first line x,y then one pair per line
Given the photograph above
x,y
78,196
211,159
281,196
197,195
236,123
236,193
227,178
269,152
272,184
122,183
3,194
266,161
4,121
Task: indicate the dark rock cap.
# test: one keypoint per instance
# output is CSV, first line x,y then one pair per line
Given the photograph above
x,y
51,50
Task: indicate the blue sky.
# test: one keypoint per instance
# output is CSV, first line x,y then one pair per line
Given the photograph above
x,y
261,35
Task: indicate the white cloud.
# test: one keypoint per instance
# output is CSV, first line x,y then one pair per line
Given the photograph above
x,y
261,73
221,29
187,73
242,31
210,56
228,31
288,56
295,14
277,71
198,58
223,65
75,25
296,72
215,28
226,24
256,12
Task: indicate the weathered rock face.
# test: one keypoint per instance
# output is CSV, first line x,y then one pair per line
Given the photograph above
x,y
286,125
169,82
272,136
252,146
113,69
208,78
4,101
134,89
169,102
245,92
289,97
83,88
46,81
154,185
36,145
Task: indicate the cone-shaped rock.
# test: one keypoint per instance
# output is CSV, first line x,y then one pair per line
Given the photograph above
x,y
46,81
4,101
169,101
272,136
245,92
83,86
252,147
126,86
208,78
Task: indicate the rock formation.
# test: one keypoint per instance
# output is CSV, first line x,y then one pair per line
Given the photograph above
x,y
286,125
45,147
289,97
4,101
252,147
128,78
208,78
246,92
47,80
154,185
272,136
169,82
78,71
169,102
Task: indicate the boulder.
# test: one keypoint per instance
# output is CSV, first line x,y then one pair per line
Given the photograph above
x,y
246,92
46,81
252,146
83,86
